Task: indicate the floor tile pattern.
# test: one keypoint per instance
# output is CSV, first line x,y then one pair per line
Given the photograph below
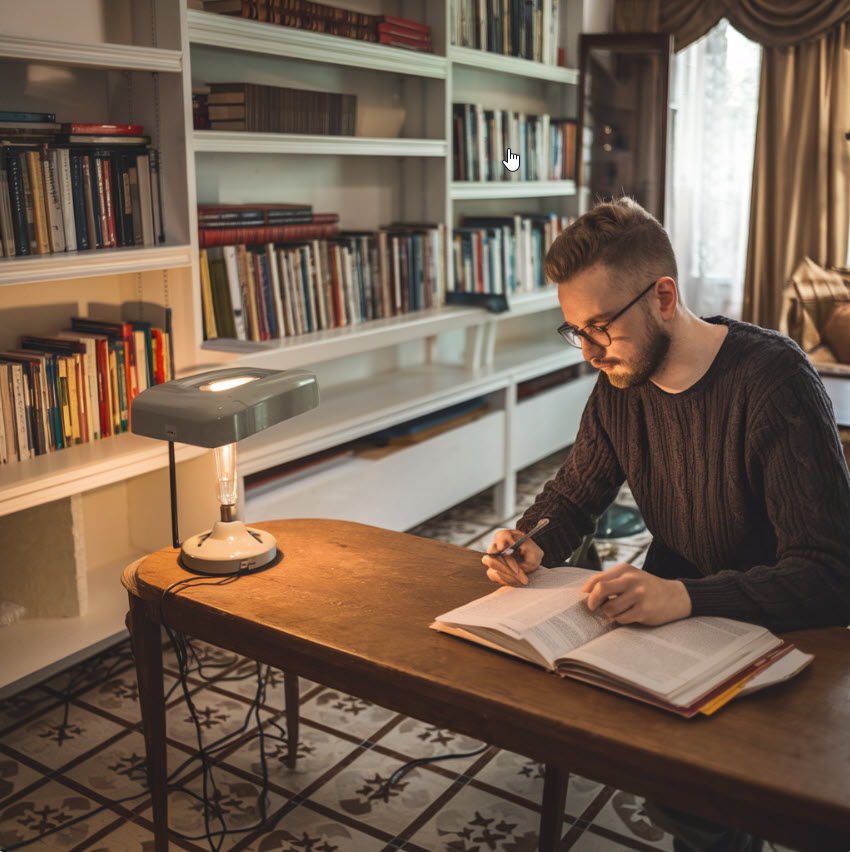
x,y
72,758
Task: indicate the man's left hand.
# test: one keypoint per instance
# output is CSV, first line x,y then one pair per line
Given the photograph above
x,y
628,595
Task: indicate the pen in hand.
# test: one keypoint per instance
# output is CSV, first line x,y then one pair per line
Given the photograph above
x,y
508,551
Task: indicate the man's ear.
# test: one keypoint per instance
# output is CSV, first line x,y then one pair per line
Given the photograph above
x,y
667,295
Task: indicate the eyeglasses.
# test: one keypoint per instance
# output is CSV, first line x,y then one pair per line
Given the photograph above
x,y
597,335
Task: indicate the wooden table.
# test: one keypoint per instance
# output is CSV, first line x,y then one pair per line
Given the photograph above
x,y
349,607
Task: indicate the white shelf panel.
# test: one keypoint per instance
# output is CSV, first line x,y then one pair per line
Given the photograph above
x,y
523,361
350,411
125,57
87,264
303,350
482,190
306,349
74,470
241,142
240,34
487,61
535,302
35,648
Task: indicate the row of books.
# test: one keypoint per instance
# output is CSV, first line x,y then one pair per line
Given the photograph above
x,y
264,292
320,17
503,254
67,187
231,224
526,28
273,109
481,137
76,385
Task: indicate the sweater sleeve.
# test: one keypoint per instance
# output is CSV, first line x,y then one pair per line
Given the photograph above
x,y
795,457
582,489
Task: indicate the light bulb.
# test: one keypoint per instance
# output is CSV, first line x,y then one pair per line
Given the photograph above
x,y
225,465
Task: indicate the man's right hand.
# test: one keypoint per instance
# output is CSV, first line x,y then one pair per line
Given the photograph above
x,y
511,570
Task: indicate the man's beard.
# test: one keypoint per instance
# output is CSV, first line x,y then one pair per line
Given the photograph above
x,y
646,364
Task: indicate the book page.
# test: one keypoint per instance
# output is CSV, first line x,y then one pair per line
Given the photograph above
x,y
679,657
549,613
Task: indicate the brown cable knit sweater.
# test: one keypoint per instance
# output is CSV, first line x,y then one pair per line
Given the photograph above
x,y
740,479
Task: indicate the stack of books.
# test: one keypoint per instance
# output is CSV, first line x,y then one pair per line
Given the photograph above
x,y
76,385
70,186
272,291
301,14
480,137
231,224
277,109
526,28
321,18
402,32
503,254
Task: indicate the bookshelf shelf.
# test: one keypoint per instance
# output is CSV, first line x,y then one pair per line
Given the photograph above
x,y
123,57
238,142
373,404
356,409
484,190
82,468
34,648
304,350
514,65
86,264
239,34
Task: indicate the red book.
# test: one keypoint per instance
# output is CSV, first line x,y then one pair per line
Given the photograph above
x,y
413,35
406,24
159,355
400,41
272,234
104,129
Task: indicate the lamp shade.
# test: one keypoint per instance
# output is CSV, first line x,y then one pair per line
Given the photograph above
x,y
222,406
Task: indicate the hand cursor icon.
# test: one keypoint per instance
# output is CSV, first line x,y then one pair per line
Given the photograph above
x,y
512,163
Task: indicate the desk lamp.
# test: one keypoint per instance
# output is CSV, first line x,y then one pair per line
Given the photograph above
x,y
215,409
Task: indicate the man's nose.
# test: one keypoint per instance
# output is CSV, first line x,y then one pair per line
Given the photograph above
x,y
590,350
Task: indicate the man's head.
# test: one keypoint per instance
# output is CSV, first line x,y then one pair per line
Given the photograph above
x,y
616,253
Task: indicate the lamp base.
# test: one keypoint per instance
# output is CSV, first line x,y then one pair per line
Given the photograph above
x,y
228,547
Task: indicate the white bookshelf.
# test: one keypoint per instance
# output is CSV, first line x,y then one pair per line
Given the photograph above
x,y
115,66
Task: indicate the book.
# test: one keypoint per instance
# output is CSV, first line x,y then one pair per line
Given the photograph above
x,y
20,117
7,228
103,129
322,225
688,666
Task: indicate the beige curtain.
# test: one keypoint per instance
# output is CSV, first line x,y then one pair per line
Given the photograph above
x,y
801,168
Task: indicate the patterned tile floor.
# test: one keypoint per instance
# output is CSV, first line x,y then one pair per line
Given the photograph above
x,y
72,759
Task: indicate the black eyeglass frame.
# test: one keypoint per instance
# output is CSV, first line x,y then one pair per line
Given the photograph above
x,y
566,329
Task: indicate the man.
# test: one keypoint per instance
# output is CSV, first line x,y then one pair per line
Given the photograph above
x,y
725,435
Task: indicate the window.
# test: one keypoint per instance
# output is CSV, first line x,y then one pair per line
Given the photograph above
x,y
714,100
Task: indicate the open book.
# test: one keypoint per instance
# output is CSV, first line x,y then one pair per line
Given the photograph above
x,y
689,666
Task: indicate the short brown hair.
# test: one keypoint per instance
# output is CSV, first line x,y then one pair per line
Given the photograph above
x,y
619,234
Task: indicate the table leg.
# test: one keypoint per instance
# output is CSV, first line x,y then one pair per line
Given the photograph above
x,y
146,640
292,698
555,783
